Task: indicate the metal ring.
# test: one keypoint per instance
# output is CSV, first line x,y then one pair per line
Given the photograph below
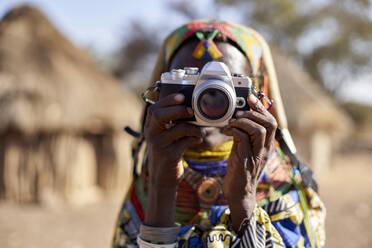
x,y
169,125
260,95
149,89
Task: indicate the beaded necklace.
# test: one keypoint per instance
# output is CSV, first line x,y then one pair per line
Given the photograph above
x,y
201,187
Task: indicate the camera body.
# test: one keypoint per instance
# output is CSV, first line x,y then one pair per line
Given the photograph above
x,y
214,94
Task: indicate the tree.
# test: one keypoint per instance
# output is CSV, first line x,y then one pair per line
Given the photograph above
x,y
140,43
331,39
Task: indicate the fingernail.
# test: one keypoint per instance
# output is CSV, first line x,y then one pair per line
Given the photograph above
x,y
203,132
252,99
179,97
189,110
239,113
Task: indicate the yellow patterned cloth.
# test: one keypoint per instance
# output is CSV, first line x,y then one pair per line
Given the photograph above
x,y
279,223
219,232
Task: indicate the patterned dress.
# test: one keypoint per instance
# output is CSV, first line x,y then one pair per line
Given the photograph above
x,y
288,213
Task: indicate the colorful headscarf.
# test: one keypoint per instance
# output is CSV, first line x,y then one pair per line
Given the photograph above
x,y
242,38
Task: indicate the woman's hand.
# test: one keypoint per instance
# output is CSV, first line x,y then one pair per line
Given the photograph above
x,y
253,133
166,145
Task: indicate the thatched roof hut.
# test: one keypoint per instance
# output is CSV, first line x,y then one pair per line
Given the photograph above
x,y
61,118
315,120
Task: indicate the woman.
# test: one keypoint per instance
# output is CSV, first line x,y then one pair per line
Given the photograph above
x,y
219,187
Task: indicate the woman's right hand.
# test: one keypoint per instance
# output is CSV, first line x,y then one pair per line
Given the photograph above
x,y
167,144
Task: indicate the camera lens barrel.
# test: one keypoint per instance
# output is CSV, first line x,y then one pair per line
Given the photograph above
x,y
214,102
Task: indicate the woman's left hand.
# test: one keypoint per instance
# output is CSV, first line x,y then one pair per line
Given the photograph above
x,y
254,134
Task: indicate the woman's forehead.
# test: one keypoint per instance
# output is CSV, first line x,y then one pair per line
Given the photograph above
x,y
232,57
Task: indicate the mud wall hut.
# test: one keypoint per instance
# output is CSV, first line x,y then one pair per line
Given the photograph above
x,y
316,122
61,118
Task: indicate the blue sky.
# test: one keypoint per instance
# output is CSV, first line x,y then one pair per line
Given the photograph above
x,y
92,23
101,25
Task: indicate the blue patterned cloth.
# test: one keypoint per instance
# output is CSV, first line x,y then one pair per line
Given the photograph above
x,y
209,168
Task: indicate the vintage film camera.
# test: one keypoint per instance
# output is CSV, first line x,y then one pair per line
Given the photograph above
x,y
214,94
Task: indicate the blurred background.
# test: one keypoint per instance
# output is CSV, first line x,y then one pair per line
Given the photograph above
x,y
70,77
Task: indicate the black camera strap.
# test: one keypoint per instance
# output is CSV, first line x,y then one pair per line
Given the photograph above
x,y
138,142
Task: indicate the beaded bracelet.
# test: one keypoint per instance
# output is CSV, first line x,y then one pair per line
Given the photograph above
x,y
144,244
159,234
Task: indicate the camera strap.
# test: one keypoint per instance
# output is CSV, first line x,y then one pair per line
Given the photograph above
x,y
139,138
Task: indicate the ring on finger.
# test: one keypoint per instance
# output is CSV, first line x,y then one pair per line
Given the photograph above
x,y
169,125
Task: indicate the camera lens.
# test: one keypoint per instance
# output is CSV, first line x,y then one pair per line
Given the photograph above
x,y
213,103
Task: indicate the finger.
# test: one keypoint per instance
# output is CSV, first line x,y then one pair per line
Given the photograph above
x,y
251,161
244,149
172,99
256,105
267,121
166,114
180,131
256,132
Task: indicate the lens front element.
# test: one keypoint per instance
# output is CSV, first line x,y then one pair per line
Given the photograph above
x,y
213,103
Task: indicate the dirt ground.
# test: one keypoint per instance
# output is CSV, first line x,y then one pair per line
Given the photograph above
x,y
346,191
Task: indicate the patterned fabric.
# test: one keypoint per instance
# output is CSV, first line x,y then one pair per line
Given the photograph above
x,y
207,49
217,232
287,216
260,232
243,39
279,222
275,180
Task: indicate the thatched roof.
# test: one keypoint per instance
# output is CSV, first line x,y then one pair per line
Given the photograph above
x,y
47,84
308,106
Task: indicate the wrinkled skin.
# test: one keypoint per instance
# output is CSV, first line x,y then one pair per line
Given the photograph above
x,y
253,134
